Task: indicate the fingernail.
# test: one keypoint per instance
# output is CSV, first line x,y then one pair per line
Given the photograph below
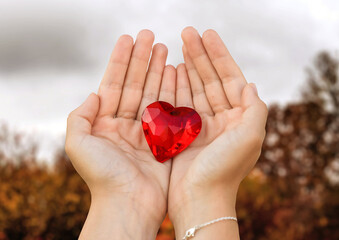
x,y
254,87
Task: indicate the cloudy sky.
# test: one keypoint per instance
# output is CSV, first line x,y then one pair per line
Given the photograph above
x,y
54,53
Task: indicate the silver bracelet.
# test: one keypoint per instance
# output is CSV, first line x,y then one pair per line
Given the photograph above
x,y
190,232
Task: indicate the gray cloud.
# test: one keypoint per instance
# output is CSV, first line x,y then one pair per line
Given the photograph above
x,y
53,53
48,37
42,43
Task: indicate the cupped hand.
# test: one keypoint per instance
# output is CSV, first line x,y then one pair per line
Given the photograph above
x,y
205,176
105,141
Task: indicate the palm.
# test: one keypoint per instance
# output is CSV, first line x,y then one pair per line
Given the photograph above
x,y
214,85
125,134
213,126
225,123
113,154
123,138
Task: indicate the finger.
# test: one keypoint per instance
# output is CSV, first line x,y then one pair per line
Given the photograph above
x,y
167,90
200,101
233,80
111,85
212,84
153,78
135,78
80,121
183,91
255,111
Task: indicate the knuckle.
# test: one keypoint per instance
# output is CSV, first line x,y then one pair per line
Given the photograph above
x,y
151,96
198,92
184,89
126,114
135,84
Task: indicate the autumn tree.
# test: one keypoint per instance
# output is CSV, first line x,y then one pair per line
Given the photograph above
x,y
300,161
292,193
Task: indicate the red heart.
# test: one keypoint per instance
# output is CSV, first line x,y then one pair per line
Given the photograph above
x,y
169,130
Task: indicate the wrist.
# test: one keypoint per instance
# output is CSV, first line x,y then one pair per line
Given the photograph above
x,y
115,217
199,207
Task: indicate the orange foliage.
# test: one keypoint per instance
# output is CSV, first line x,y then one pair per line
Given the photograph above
x,y
291,194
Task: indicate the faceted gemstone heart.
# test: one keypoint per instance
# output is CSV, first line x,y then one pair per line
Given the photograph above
x,y
169,130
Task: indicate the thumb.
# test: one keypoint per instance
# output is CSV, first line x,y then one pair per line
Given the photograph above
x,y
255,111
80,121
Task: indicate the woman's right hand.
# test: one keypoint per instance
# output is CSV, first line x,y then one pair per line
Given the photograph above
x,y
107,147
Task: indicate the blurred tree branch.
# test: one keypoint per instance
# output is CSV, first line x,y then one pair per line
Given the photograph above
x,y
323,84
292,193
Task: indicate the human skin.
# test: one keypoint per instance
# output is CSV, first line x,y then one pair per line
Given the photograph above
x,y
205,177
130,190
128,187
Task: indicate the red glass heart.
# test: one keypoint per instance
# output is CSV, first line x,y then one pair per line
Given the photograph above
x,y
169,130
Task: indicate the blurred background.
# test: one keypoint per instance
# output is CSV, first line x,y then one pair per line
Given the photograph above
x,y
54,53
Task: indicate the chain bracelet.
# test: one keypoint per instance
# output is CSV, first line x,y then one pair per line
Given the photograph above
x,y
190,232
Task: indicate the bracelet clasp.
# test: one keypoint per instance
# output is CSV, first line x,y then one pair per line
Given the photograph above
x,y
189,233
